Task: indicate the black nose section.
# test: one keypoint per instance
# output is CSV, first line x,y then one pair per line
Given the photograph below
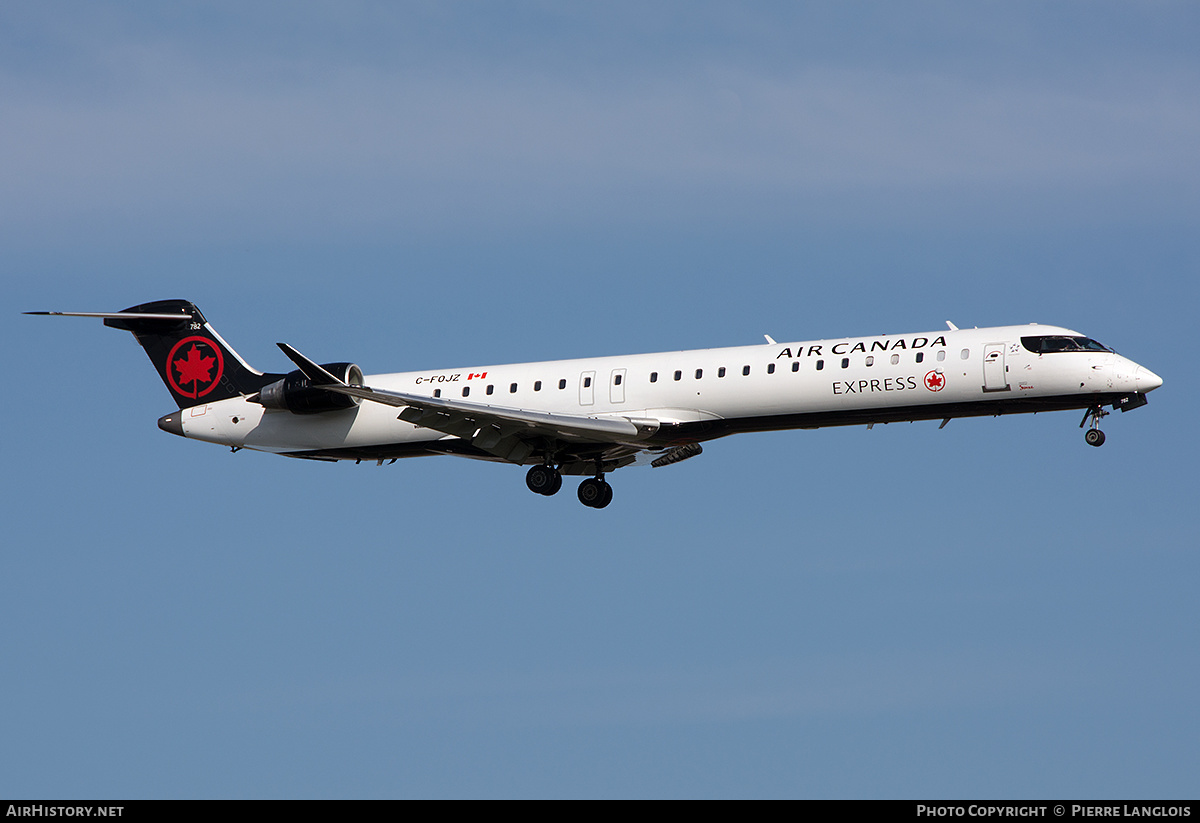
x,y
172,423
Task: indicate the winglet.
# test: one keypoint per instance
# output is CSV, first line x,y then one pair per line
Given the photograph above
x,y
315,374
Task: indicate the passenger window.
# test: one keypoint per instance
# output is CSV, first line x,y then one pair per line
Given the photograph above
x,y
699,373
512,389
466,390
678,375
653,377
895,359
965,353
562,384
770,368
437,392
845,362
870,360
941,356
721,372
745,370
795,365
537,385
820,365
490,388
920,357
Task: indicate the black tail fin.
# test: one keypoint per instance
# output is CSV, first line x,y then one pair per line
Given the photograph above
x,y
191,358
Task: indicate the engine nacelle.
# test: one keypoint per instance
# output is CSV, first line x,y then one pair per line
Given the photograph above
x,y
295,393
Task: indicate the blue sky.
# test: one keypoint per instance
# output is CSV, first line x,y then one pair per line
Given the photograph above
x,y
990,610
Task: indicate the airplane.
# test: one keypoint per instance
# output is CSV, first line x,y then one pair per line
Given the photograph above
x,y
589,417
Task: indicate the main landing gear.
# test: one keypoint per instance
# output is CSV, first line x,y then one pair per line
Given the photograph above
x,y
1093,436
543,480
594,492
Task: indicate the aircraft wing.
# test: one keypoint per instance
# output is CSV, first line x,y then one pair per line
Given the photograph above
x,y
506,432
441,414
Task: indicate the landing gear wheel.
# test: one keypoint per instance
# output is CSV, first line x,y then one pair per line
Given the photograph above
x,y
543,480
1093,436
595,493
591,492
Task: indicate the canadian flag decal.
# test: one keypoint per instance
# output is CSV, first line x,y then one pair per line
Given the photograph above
x,y
473,375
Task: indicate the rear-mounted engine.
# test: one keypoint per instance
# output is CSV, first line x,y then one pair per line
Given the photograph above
x,y
297,394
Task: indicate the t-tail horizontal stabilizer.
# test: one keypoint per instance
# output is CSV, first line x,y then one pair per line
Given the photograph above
x,y
193,361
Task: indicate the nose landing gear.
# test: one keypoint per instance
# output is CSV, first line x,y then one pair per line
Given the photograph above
x,y
1093,436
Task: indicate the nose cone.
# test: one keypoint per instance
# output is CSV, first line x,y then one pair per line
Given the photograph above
x,y
1146,380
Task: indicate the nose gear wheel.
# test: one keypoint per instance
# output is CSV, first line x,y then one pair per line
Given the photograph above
x,y
1093,436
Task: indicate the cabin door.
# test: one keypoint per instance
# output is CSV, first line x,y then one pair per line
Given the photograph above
x,y
587,388
995,373
616,386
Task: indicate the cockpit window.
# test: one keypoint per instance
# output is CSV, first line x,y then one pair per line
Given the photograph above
x,y
1048,344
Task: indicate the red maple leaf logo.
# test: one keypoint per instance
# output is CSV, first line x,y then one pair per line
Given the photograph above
x,y
195,368
199,364
935,381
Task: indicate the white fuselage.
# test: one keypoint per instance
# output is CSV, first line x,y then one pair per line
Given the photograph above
x,y
706,393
